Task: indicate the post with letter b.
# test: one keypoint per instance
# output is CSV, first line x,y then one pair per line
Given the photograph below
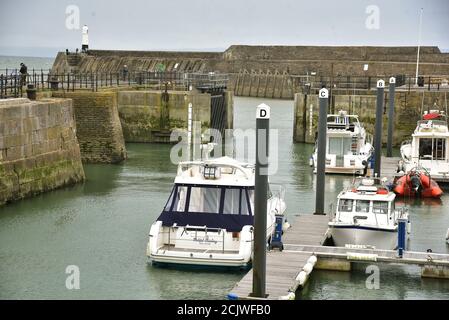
x,y
378,128
260,200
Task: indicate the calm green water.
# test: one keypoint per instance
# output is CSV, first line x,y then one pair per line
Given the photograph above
x,y
102,225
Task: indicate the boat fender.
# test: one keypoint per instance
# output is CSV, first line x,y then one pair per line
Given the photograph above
x,y
447,235
233,296
311,161
301,278
286,225
361,256
409,227
312,260
289,296
308,268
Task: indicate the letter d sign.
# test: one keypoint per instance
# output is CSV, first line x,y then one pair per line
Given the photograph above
x,y
263,111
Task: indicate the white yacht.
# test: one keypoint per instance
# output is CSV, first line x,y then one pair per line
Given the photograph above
x,y
366,215
208,218
348,150
428,147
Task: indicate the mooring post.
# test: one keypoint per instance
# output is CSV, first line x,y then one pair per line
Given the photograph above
x,y
391,90
378,130
260,200
321,152
402,230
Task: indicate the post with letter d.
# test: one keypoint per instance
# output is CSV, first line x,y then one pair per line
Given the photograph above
x,y
323,96
260,200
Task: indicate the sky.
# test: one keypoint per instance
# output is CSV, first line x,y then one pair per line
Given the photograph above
x,y
43,27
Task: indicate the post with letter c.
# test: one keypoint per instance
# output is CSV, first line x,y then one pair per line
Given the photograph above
x,y
260,200
323,96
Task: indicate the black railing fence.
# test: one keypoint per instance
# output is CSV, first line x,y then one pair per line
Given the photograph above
x,y
13,84
305,83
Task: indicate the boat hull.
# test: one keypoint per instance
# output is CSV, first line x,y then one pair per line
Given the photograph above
x,y
360,235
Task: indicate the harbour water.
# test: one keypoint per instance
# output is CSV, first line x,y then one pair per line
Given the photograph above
x,y
101,226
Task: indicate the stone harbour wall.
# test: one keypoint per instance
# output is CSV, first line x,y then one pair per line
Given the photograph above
x,y
150,116
99,130
408,110
39,150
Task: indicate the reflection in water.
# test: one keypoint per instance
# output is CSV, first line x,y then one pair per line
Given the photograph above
x,y
102,226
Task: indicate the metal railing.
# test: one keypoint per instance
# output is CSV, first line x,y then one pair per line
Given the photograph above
x,y
12,82
306,83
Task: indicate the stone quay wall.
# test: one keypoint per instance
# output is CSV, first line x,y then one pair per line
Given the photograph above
x,y
408,109
99,130
39,149
151,116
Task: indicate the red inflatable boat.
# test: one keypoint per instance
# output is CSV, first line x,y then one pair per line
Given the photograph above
x,y
417,184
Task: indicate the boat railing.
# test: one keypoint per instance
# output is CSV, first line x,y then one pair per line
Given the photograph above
x,y
400,213
278,192
204,229
185,165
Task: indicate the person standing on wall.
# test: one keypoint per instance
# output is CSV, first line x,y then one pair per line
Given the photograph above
x,y
23,74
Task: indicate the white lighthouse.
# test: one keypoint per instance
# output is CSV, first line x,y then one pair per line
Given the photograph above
x,y
85,39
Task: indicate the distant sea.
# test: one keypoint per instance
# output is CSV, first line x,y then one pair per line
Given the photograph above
x,y
11,62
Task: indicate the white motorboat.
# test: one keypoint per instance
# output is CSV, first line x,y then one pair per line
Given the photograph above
x,y
428,147
208,218
366,216
347,147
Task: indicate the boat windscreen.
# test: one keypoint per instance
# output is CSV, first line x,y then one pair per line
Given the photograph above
x,y
212,206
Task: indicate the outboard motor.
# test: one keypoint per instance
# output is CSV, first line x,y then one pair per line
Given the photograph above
x,y
416,184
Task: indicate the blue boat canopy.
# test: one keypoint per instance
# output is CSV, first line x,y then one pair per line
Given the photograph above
x,y
225,207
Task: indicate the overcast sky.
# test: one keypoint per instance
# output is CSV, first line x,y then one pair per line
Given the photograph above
x,y
38,27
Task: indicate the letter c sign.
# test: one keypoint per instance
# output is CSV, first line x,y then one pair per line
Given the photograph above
x,y
323,94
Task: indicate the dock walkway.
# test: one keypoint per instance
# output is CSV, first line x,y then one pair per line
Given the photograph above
x,y
284,267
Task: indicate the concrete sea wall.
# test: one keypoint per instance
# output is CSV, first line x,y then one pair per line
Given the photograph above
x,y
99,130
39,150
408,110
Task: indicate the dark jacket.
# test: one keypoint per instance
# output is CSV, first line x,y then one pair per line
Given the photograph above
x,y
23,69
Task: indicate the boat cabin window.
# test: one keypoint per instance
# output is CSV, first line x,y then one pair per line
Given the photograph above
x,y
345,205
380,207
204,199
339,146
236,201
177,200
432,149
210,199
362,206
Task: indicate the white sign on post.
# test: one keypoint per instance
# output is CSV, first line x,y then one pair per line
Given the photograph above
x,y
392,80
263,111
324,93
380,84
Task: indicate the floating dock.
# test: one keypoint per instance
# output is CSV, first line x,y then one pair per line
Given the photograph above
x,y
305,250
284,267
